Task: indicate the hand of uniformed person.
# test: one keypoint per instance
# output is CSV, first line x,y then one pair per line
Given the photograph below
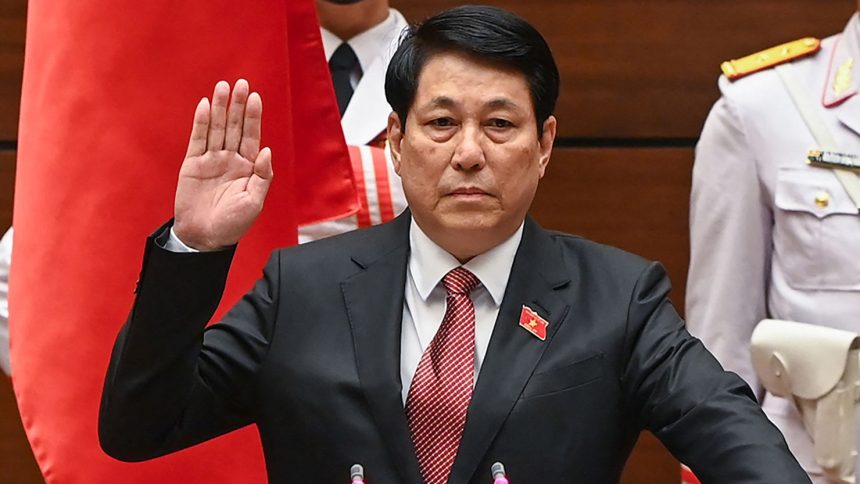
x,y
225,176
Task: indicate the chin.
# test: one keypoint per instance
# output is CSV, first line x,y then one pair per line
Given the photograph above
x,y
470,220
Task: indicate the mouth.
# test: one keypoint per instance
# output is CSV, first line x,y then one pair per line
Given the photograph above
x,y
468,192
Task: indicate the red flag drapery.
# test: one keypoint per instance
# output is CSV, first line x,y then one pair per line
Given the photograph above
x,y
108,97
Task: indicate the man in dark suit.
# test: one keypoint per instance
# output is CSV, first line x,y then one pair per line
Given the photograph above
x,y
425,349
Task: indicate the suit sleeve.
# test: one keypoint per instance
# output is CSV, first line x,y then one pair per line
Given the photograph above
x,y
730,241
708,418
171,384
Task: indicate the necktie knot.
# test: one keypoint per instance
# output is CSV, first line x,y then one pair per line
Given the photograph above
x,y
343,58
460,281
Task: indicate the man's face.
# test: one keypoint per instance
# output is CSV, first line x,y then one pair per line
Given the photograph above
x,y
470,157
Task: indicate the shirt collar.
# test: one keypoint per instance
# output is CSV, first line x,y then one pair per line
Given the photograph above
x,y
428,263
368,45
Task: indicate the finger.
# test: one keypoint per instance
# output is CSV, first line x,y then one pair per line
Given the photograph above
x,y
235,115
258,184
249,148
218,116
199,129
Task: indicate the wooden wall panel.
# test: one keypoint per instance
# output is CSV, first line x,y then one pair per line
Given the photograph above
x,y
12,26
632,198
630,69
644,69
17,465
7,188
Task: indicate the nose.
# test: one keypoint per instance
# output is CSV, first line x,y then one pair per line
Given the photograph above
x,y
469,152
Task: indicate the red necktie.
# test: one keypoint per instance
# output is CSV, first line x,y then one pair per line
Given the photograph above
x,y
442,387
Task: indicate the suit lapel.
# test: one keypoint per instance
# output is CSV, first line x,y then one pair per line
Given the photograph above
x,y
374,302
537,276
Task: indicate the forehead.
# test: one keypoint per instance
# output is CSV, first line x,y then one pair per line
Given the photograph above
x,y
462,78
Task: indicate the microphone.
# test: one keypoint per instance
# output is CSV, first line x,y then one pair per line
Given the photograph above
x,y
498,471
356,474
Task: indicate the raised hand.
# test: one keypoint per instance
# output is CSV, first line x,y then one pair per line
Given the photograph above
x,y
225,176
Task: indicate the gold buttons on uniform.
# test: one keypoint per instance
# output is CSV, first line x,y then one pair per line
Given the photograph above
x,y
822,199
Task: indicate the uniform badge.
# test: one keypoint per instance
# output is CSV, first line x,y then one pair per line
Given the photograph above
x,y
533,323
842,81
832,159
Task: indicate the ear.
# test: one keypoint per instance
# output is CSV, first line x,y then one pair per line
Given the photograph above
x,y
546,142
395,137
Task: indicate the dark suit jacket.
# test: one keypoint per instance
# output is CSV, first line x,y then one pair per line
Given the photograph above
x,y
312,356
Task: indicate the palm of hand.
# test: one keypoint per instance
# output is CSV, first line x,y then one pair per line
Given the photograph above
x,y
225,176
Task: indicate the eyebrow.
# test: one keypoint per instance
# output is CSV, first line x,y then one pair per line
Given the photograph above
x,y
447,102
441,102
503,103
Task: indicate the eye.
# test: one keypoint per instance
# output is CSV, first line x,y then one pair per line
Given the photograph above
x,y
500,123
442,122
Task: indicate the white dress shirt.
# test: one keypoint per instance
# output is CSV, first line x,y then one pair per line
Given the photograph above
x,y
424,302
367,45
424,295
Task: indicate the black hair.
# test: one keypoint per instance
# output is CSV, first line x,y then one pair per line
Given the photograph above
x,y
485,33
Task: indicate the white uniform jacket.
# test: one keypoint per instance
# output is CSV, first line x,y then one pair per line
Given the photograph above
x,y
770,235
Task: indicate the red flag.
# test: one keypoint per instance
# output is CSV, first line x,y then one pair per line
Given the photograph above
x,y
107,103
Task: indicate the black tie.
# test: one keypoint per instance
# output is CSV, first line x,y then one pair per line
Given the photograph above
x,y
342,64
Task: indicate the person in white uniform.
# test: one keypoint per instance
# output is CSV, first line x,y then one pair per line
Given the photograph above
x,y
771,235
362,36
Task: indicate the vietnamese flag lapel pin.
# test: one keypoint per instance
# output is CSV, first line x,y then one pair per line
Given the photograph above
x,y
533,323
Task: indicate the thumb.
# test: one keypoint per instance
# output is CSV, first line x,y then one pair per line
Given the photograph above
x,y
258,184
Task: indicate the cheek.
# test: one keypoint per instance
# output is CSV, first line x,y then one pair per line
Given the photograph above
x,y
420,172
518,178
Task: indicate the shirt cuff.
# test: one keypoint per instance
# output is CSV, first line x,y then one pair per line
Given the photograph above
x,y
173,244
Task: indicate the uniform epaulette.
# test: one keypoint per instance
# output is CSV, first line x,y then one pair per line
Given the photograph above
x,y
737,68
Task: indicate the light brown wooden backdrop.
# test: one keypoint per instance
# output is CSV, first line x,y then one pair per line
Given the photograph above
x,y
638,78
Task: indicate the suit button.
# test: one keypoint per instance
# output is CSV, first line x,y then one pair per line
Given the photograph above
x,y
822,199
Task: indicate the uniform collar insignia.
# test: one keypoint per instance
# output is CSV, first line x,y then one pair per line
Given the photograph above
x,y
841,82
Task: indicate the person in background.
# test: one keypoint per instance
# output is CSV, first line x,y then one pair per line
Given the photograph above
x,y
359,38
772,235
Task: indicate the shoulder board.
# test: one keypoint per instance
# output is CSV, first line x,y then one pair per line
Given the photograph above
x,y
737,68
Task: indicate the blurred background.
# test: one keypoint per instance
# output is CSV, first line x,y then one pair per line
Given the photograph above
x,y
638,78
